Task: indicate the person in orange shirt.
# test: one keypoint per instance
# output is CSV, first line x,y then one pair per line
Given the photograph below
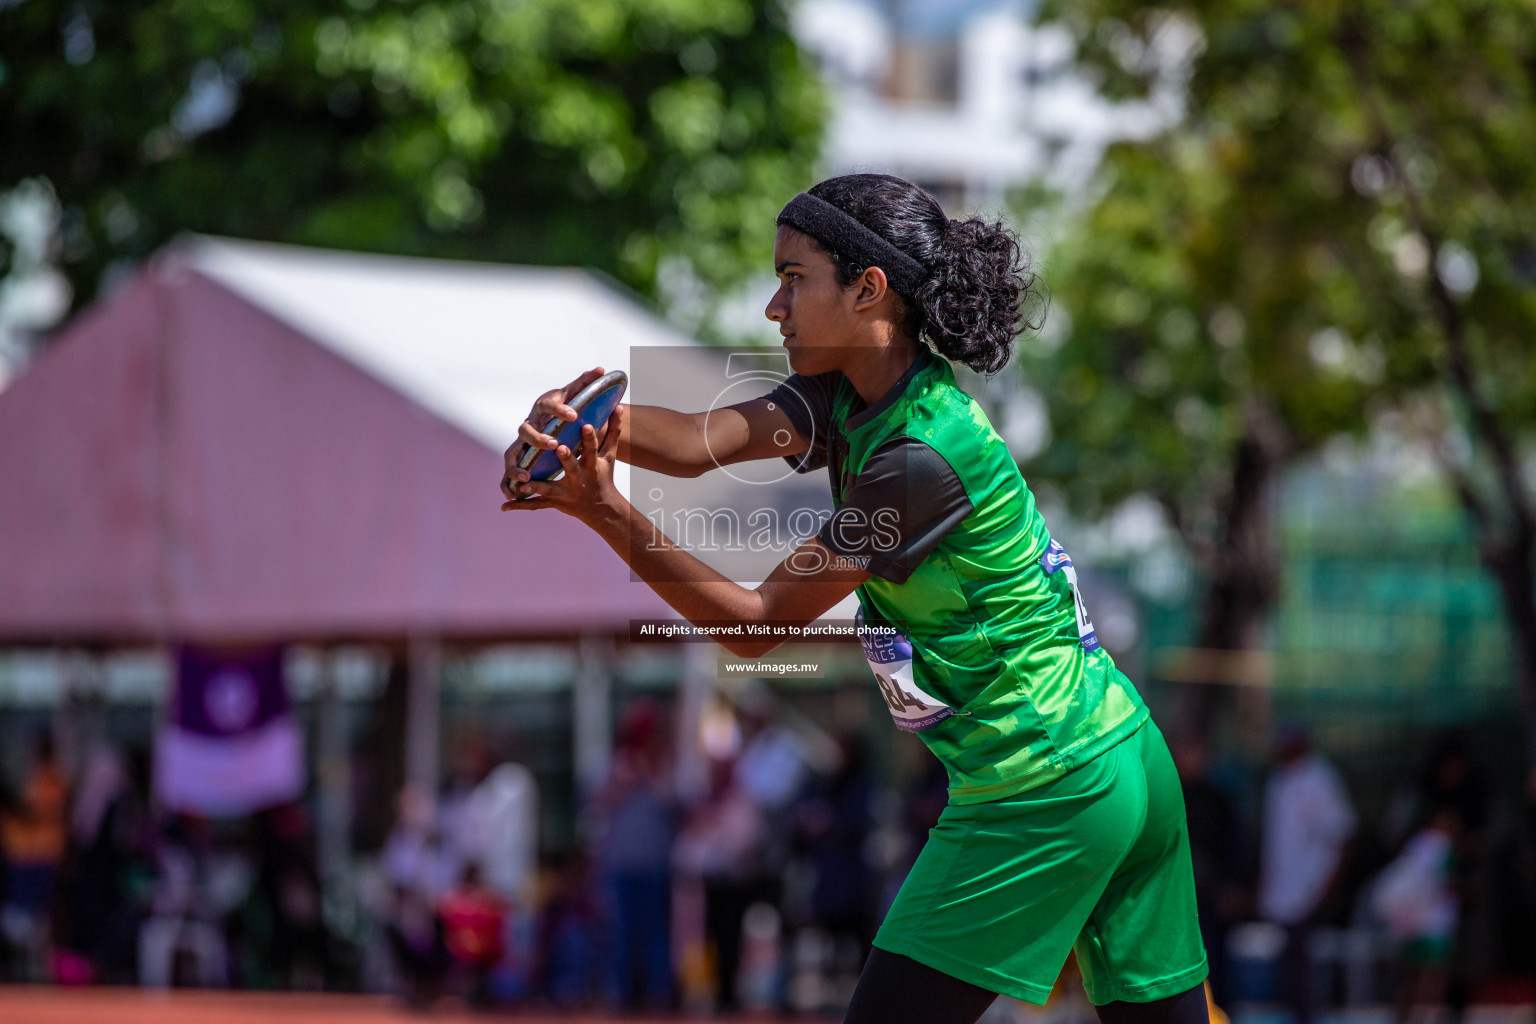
x,y
32,839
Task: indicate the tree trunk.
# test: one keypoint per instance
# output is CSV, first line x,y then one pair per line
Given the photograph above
x,y
1513,565
1520,601
1242,563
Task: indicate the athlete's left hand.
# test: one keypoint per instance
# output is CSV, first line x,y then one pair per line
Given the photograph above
x,y
586,491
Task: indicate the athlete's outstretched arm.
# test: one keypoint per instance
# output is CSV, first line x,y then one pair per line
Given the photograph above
x,y
664,440
811,580
691,443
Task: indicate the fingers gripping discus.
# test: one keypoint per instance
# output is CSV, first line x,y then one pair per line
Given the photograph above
x,y
593,404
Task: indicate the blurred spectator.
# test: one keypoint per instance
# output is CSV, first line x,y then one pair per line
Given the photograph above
x,y
1217,850
565,955
505,811
418,871
633,825
920,812
721,845
1453,785
288,883
459,815
772,765
32,844
833,822
109,837
416,939
1308,821
182,941
1416,898
474,918
414,857
772,770
488,819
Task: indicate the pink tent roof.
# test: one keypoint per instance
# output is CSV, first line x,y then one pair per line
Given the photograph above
x,y
183,463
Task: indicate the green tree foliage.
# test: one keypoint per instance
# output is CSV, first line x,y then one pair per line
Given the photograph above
x,y
622,134
1338,222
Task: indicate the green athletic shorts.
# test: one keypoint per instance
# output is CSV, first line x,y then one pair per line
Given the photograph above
x,y
1096,860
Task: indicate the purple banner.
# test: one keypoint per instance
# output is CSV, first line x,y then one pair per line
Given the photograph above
x,y
229,744
226,694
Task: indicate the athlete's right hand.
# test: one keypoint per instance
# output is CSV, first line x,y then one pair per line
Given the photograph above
x,y
531,433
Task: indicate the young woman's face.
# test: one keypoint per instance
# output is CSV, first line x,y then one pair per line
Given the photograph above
x,y
813,309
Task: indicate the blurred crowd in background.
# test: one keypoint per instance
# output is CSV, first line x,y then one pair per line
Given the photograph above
x,y
758,886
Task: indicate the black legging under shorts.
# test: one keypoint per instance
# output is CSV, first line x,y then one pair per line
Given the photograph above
x,y
895,989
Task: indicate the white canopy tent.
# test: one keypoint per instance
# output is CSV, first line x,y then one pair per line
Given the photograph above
x,y
473,343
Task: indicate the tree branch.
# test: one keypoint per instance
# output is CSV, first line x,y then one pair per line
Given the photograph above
x,y
1201,550
1472,500
1485,420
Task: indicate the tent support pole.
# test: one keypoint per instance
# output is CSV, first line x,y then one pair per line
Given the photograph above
x,y
592,712
79,720
333,775
694,689
424,712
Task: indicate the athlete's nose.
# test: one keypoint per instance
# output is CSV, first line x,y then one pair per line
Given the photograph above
x,y
775,310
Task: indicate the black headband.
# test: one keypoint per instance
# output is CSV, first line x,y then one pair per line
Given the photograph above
x,y
845,235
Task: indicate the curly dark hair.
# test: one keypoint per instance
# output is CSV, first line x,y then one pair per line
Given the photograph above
x,y
973,304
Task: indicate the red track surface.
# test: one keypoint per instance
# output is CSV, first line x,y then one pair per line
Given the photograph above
x,y
39,1005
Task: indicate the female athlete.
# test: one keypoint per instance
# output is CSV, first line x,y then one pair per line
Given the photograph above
x,y
1065,823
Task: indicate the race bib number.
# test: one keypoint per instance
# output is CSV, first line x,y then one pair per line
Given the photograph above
x,y
1054,559
890,658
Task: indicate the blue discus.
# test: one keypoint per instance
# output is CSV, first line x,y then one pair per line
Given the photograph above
x,y
594,404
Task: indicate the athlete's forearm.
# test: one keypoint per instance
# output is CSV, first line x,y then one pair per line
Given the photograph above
x,y
694,590
664,441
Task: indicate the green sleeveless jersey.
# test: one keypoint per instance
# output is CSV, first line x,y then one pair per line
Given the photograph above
x,y
995,663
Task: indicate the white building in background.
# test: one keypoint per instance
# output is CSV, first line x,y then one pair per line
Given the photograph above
x,y
966,99
33,292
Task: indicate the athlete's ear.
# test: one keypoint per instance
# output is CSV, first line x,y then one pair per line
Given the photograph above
x,y
869,289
